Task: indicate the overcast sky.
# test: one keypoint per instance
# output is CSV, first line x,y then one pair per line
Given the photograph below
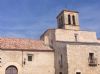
x,y
30,18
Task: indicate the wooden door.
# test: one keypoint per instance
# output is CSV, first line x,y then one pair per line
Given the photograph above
x,y
11,70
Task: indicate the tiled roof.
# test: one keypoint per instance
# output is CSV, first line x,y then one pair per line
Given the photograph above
x,y
24,44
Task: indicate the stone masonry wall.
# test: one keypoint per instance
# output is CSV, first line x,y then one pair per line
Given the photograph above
x,y
43,62
78,56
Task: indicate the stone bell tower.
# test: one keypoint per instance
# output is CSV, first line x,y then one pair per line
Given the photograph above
x,y
68,19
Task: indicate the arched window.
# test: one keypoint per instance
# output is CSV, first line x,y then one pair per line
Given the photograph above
x,y
73,18
69,19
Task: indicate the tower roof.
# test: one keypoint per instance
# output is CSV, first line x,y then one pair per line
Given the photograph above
x,y
66,10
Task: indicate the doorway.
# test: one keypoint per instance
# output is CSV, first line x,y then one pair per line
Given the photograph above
x,y
11,70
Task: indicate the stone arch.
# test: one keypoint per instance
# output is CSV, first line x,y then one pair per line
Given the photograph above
x,y
18,66
11,70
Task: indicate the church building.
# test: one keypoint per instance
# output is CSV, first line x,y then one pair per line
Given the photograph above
x,y
64,50
76,51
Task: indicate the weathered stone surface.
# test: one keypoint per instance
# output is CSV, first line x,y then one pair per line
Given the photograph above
x,y
42,63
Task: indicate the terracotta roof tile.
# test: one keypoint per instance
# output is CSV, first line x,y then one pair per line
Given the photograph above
x,y
19,43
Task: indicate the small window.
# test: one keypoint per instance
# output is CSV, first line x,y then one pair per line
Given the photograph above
x,y
78,72
92,60
91,56
30,57
60,72
0,60
76,37
61,61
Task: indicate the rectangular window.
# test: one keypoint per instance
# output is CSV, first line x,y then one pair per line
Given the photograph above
x,y
76,37
30,57
91,56
0,60
60,72
92,60
78,72
61,61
